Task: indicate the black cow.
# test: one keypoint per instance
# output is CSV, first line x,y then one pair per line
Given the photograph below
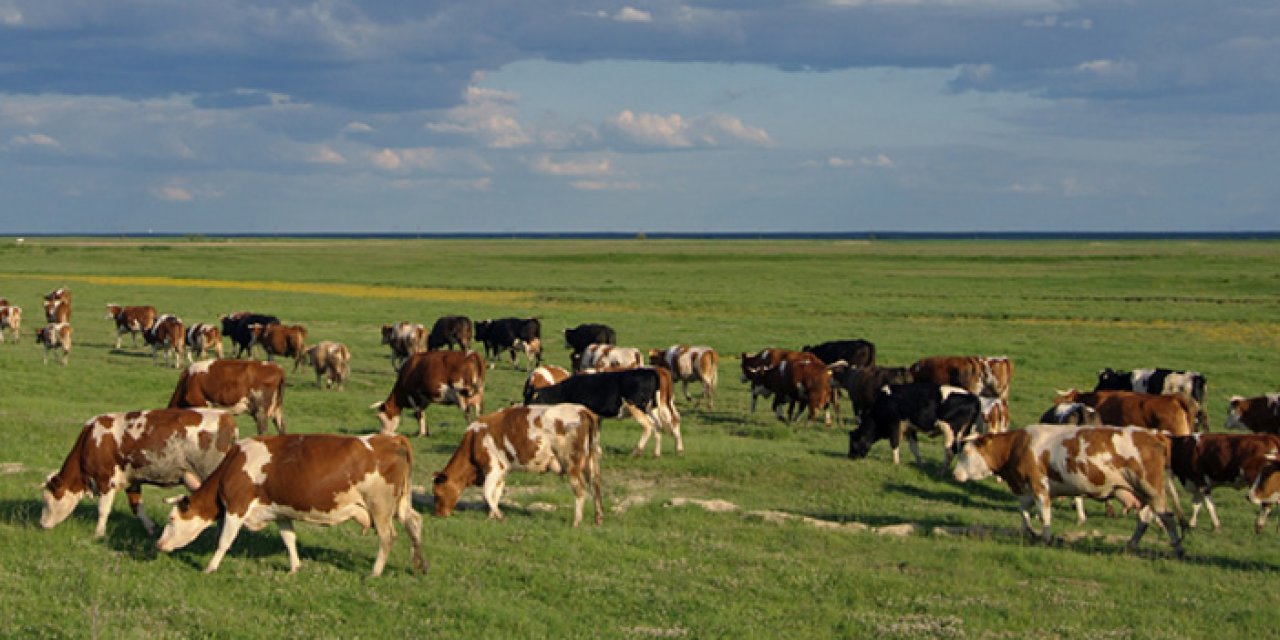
x,y
858,353
236,327
509,334
584,335
863,383
1160,381
449,331
643,393
922,406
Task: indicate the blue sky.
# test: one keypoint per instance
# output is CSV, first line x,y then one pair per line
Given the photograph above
x,y
843,115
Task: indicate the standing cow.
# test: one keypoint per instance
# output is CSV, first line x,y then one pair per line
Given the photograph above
x,y
11,322
643,393
863,383
332,363
1259,415
584,335
53,336
240,386
57,306
434,377
1173,413
971,373
201,339
1159,381
1207,460
449,331
905,409
542,377
281,340
131,320
855,353
690,364
405,339
236,327
167,336
509,334
607,356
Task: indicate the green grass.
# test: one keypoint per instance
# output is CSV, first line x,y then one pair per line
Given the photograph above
x,y
1061,310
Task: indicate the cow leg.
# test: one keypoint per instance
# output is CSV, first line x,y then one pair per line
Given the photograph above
x,y
493,485
104,510
1046,517
579,492
593,478
948,440
647,429
914,443
1263,511
386,538
191,481
421,415
1213,512
684,386
673,421
230,529
1025,502
412,522
134,493
290,539
1080,517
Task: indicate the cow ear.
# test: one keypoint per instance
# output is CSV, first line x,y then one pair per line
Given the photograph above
x,y
1272,456
439,478
174,499
53,481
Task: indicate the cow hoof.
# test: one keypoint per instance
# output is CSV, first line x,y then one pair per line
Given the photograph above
x,y
635,453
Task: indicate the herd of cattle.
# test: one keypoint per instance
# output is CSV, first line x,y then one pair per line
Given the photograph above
x,y
1129,439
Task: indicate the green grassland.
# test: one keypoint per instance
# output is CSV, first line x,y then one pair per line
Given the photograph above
x,y
1060,310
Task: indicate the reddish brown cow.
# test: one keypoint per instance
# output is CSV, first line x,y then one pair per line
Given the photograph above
x,y
799,379
167,336
561,438
161,447
690,364
1207,460
55,335
1259,415
1175,414
57,306
10,321
240,386
971,373
280,340
319,478
754,365
131,320
434,377
202,338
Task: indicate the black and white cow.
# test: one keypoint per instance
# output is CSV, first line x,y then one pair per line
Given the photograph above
x,y
1160,381
236,327
509,334
923,407
584,335
644,393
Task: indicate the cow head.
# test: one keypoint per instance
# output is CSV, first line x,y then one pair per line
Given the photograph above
x,y
184,525
446,494
1063,397
861,439
1235,413
971,462
59,501
388,422
1111,380
113,310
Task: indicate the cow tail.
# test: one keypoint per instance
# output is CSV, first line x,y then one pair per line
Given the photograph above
x,y
594,450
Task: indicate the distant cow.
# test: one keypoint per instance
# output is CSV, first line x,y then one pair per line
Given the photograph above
x,y
690,364
1265,491
286,341
1175,413
240,386
57,306
971,373
323,479
643,393
131,320
116,451
56,335
863,383
236,327
856,353
995,414
1075,413
580,337
332,363
405,339
449,331
202,338
1041,462
1260,414
1001,368
754,365
167,336
604,356
562,438
10,321
924,407
434,377
509,334
1159,381
1207,460
800,379
541,377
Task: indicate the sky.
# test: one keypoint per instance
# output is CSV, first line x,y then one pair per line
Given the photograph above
x,y
172,116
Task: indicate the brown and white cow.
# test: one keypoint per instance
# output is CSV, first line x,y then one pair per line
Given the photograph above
x,y
560,438
131,320
434,377
167,336
1207,460
287,341
1001,368
605,356
1265,491
995,414
753,366
1041,462
1259,415
11,322
57,306
323,479
332,362
202,338
690,364
162,447
971,373
56,335
1175,414
405,339
543,377
239,386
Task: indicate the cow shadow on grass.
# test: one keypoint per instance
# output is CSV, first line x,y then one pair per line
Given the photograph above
x,y
974,495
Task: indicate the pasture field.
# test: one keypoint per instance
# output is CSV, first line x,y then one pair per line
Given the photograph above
x,y
657,568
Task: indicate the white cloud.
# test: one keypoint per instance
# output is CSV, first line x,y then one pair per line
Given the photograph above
x,y
35,140
545,165
604,185
1104,67
172,192
677,132
11,17
487,114
357,127
879,160
631,14
1003,5
325,155
406,159
653,130
839,163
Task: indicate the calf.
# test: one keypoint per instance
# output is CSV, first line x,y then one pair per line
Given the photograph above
x,y
131,320
918,407
1158,381
56,335
202,338
971,373
542,377
1041,462
584,335
690,364
10,321
1259,415
855,353
601,356
240,386
405,339
434,377
331,361
509,334
562,438
281,340
1175,414
754,365
161,447
1203,461
167,336
323,479
57,306
644,393
236,327
863,383
449,331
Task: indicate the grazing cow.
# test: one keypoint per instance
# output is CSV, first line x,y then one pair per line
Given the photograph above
x,y
863,383
1207,460
542,377
1001,375
753,368
202,338
995,414
1265,491
323,479
57,306
405,339
603,356
561,438
281,340
971,373
1259,415
239,386
856,353
167,336
798,379
584,335
55,335
434,377
509,334
1041,462
161,447
1175,414
236,327
10,321
1158,381
332,362
690,364
449,331
131,320
1076,413
645,393
923,407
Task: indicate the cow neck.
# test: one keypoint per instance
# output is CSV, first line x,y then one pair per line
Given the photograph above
x,y
71,475
463,467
